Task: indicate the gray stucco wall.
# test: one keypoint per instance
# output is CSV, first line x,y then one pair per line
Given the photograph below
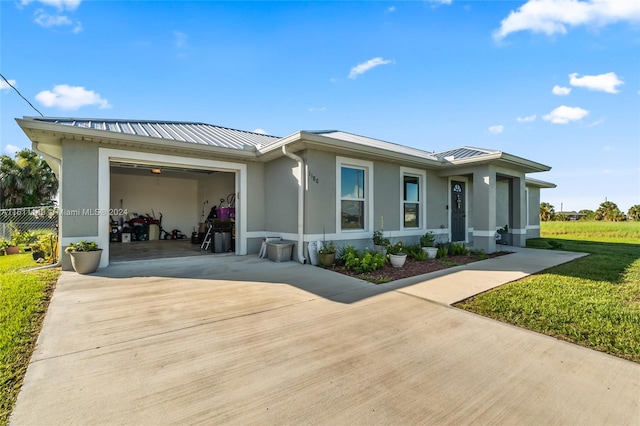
x,y
386,196
320,198
281,201
256,193
79,188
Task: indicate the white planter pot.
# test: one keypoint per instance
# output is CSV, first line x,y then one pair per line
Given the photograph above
x,y
431,252
397,260
85,262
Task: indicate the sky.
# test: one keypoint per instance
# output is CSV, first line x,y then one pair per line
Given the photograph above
x,y
553,81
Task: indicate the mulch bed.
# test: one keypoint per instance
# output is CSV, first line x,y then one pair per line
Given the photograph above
x,y
412,267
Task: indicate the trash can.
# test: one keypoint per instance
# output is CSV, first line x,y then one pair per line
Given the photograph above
x,y
279,251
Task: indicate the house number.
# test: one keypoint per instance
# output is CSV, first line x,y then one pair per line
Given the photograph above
x,y
314,178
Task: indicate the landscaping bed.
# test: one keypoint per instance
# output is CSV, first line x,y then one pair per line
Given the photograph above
x,y
413,267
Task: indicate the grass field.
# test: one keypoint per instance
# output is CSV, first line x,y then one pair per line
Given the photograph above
x,y
593,301
23,302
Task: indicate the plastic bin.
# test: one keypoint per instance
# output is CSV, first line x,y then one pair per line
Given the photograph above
x,y
279,251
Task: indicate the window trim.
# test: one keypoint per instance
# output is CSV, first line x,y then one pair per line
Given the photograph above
x,y
367,166
422,194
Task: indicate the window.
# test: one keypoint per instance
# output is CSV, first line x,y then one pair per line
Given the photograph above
x,y
352,198
411,202
412,198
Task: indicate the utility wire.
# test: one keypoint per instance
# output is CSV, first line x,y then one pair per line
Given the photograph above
x,y
18,92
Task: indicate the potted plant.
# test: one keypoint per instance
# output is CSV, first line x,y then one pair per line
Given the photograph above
x,y
85,256
379,242
327,253
504,235
9,248
397,254
426,241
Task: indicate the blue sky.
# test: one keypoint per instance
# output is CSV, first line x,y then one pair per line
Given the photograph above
x,y
557,82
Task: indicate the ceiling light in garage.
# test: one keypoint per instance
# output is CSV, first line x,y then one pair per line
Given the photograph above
x,y
156,171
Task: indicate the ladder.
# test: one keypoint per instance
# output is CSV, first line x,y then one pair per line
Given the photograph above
x,y
206,242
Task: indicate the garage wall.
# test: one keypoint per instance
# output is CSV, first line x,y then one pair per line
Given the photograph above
x,y
213,187
174,197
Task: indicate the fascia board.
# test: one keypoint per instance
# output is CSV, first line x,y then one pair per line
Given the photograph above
x,y
58,131
539,183
525,165
341,145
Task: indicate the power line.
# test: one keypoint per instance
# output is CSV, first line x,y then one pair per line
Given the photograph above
x,y
18,92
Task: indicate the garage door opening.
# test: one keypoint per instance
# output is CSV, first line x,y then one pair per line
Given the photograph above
x,y
162,211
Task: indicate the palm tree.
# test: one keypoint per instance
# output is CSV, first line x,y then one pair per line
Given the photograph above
x,y
27,181
634,212
609,211
547,212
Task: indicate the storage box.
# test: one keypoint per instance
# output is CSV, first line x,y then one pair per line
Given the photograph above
x,y
279,251
154,232
126,237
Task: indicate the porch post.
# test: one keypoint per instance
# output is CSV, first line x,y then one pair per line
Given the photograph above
x,y
517,211
484,209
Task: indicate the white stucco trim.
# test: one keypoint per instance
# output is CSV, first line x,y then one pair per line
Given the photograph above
x,y
533,226
489,234
369,191
518,231
422,175
107,155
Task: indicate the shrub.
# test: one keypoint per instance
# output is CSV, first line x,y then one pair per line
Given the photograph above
x,y
457,249
416,252
397,248
443,251
361,261
480,254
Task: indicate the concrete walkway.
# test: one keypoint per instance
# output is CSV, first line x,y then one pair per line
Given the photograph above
x,y
240,340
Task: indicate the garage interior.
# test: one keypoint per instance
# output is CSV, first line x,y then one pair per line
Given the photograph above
x,y
165,211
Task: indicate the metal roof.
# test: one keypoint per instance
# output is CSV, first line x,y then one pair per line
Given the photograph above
x,y
463,152
198,133
375,143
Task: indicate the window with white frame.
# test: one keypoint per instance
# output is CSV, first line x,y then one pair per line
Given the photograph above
x,y
354,189
413,195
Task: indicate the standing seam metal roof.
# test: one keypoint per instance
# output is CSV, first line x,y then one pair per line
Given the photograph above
x,y
464,152
198,133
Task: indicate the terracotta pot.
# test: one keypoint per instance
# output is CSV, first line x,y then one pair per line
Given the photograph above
x,y
85,262
397,260
12,250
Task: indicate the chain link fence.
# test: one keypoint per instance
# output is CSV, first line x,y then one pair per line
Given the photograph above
x,y
32,219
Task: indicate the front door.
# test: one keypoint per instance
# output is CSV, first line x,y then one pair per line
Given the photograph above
x,y
458,215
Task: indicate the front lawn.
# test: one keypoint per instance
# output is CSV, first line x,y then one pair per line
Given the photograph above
x,y
593,301
23,302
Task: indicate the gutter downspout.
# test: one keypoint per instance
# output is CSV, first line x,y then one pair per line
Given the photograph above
x,y
301,187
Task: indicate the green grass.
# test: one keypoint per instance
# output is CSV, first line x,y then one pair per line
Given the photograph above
x,y
593,301
23,302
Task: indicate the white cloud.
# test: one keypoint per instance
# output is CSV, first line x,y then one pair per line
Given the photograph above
x,y
564,114
603,82
317,109
496,130
554,16
11,149
261,131
58,4
596,123
527,119
391,9
560,91
440,1
48,21
5,86
71,97
180,39
366,66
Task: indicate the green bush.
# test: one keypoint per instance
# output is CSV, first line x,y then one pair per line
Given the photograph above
x,y
458,249
416,252
361,261
443,251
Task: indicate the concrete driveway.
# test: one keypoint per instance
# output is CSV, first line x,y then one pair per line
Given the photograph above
x,y
241,340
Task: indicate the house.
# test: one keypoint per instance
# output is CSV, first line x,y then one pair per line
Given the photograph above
x,y
308,186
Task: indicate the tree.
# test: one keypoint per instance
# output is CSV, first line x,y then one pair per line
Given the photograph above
x,y
27,181
561,217
590,214
609,211
634,212
547,212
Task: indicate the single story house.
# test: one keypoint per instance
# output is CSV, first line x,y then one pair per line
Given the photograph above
x,y
308,186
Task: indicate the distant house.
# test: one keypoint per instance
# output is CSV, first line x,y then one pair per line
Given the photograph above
x,y
572,215
303,187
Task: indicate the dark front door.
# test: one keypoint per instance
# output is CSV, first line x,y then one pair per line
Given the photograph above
x,y
458,214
